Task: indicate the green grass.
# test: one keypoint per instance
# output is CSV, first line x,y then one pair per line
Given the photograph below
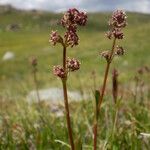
x,y
16,81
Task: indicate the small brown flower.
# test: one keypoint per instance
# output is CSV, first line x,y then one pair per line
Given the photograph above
x,y
73,17
119,50
81,18
109,34
118,19
105,54
55,38
73,64
59,71
71,38
118,34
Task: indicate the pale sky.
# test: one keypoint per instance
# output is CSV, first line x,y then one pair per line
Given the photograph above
x,y
88,5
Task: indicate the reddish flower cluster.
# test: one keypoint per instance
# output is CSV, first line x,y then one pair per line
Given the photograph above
x,y
105,54
55,38
59,71
118,19
71,19
71,38
73,64
119,50
117,23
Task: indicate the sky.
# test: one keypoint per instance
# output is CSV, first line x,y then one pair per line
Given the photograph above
x,y
142,6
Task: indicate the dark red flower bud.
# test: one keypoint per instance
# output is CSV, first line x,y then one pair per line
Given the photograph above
x,y
81,18
118,34
55,38
73,64
59,71
73,17
71,38
106,55
119,50
109,34
118,19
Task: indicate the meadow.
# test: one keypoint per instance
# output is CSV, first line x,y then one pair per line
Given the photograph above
x,y
23,126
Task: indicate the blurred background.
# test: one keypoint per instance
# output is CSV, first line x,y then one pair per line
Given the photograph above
x,y
25,27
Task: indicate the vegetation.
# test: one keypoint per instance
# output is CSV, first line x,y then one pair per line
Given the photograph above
x,y
23,126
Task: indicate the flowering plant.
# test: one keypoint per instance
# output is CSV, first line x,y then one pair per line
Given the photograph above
x,y
70,21
116,23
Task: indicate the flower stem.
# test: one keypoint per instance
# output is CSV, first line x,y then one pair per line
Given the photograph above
x,y
36,86
64,82
102,93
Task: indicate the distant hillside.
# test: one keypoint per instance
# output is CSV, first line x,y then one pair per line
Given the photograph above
x,y
44,20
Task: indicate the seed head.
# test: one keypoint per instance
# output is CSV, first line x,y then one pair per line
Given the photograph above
x,y
81,18
59,71
71,38
105,54
109,34
119,50
73,64
118,19
73,17
117,33
55,38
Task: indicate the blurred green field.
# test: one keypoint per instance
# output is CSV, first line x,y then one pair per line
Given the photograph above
x,y
32,39
16,81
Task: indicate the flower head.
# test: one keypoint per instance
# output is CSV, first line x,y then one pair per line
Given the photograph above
x,y
81,18
74,17
109,34
73,64
118,19
117,23
117,33
59,71
119,50
105,54
71,38
55,38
